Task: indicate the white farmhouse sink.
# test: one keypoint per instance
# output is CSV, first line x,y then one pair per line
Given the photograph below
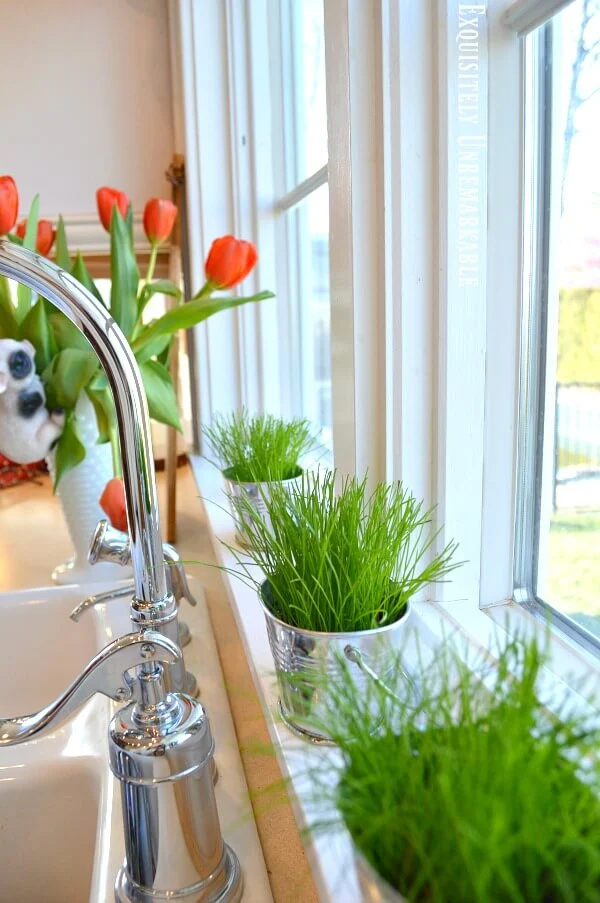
x,y
60,815
42,650
48,818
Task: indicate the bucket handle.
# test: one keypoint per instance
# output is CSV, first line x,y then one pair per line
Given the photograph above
x,y
354,655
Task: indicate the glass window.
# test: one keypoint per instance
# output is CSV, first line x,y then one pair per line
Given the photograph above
x,y
303,208
308,78
560,491
312,230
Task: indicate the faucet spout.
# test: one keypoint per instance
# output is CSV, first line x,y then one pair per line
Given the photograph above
x,y
95,322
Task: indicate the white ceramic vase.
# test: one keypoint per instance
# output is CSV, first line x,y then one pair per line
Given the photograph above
x,y
79,492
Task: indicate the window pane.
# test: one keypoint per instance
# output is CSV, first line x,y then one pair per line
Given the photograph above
x,y
309,88
569,534
310,221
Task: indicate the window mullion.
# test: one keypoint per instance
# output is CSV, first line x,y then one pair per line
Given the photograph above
x,y
352,58
462,52
302,191
410,223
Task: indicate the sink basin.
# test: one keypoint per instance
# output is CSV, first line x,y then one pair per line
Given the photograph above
x,y
42,650
61,834
53,787
48,822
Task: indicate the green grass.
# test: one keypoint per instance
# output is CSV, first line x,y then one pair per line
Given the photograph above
x,y
259,448
472,796
573,582
342,562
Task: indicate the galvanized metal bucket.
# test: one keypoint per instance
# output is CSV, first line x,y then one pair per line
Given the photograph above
x,y
373,888
303,657
257,494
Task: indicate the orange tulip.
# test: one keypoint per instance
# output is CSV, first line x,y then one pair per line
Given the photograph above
x,y
9,204
112,502
159,219
229,261
46,233
106,199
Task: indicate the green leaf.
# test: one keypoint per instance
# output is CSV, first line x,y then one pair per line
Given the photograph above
x,y
154,348
66,333
32,224
164,357
99,381
70,450
160,287
9,328
70,372
162,402
105,413
8,322
82,274
129,221
124,274
61,254
187,315
6,295
36,329
24,294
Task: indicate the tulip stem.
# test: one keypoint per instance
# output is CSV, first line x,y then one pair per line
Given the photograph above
x,y
152,263
206,291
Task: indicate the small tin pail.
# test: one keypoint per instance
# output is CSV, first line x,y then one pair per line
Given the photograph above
x,y
303,657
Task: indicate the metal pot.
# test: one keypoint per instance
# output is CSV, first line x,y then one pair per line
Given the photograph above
x,y
257,494
303,656
373,888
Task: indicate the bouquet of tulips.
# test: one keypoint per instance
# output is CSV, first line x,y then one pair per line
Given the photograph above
x,y
64,359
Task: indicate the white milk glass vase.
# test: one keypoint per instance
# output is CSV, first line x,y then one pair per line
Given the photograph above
x,y
79,492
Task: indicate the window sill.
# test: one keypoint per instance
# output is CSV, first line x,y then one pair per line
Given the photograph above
x,y
571,671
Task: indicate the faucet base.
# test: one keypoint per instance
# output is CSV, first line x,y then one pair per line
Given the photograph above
x,y
225,885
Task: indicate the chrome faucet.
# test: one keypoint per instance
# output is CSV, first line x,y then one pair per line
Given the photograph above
x,y
109,544
161,747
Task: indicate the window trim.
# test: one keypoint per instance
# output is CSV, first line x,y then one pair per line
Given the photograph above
x,y
301,191
540,293
525,16
537,145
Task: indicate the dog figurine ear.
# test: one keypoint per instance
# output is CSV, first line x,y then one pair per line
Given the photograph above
x,y
29,347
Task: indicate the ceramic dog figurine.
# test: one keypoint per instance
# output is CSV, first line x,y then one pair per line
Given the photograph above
x,y
27,429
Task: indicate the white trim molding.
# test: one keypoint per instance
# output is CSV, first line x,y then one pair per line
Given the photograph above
x,y
302,190
526,15
410,224
356,247
462,244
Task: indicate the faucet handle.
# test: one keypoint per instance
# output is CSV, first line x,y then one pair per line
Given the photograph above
x,y
105,673
124,589
109,544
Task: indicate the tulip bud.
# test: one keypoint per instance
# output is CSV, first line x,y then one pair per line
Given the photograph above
x,y
106,199
229,261
46,233
112,502
159,219
9,204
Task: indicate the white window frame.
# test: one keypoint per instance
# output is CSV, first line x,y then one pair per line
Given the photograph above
x,y
425,370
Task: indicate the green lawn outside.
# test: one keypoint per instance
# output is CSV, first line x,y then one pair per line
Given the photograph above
x,y
574,566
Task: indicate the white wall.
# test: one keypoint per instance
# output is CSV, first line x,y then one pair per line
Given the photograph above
x,y
85,100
